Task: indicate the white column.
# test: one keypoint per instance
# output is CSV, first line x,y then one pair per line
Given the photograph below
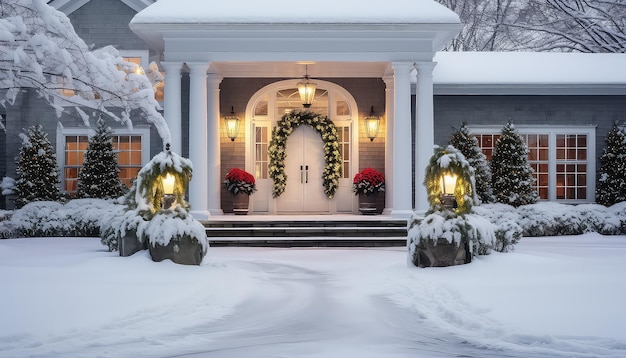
x,y
172,103
198,194
402,206
389,142
214,181
424,131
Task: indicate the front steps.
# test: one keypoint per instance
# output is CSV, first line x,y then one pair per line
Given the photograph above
x,y
306,231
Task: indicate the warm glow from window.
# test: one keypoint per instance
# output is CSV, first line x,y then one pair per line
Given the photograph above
x,y
128,149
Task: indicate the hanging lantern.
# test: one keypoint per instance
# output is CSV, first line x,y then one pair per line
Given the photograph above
x,y
232,125
306,89
372,124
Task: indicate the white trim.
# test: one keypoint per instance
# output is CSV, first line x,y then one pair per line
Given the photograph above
x,y
552,131
138,5
67,6
143,132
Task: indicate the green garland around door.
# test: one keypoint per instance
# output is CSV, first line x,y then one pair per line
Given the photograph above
x,y
326,128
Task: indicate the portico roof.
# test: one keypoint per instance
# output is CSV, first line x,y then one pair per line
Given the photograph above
x,y
279,31
285,11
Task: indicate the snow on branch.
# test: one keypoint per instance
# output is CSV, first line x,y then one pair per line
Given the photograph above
x,y
40,50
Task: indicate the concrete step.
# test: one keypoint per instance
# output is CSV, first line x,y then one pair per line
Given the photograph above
x,y
327,232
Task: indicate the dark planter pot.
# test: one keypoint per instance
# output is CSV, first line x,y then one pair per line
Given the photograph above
x,y
184,250
241,204
441,253
129,244
368,204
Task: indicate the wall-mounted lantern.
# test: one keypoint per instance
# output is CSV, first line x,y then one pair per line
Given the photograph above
x,y
306,89
232,125
372,124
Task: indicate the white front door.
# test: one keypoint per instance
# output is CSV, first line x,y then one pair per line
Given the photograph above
x,y
304,166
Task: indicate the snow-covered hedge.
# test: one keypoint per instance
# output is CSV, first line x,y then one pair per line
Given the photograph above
x,y
115,227
619,210
80,217
553,219
505,218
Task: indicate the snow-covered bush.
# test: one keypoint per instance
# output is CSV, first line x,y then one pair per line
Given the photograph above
x,y
598,218
122,223
173,225
80,217
619,210
7,229
553,219
505,218
550,219
38,218
444,226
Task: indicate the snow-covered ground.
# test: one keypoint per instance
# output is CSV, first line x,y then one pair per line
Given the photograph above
x,y
552,297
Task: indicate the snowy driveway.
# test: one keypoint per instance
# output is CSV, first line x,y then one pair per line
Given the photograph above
x,y
70,298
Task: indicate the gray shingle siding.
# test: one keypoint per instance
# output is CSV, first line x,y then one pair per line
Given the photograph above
x,y
105,22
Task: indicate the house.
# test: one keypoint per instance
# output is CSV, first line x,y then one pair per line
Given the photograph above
x,y
248,57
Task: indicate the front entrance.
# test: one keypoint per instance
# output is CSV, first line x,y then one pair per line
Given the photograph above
x,y
304,165
304,162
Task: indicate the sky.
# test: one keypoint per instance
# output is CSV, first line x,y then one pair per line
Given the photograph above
x,y
552,297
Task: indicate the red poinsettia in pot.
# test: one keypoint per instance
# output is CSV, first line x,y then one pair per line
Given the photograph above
x,y
241,185
367,184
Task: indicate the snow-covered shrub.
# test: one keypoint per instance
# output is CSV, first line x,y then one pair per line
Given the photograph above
x,y
485,233
553,219
82,217
505,218
598,218
7,186
172,225
7,229
121,223
38,218
440,226
619,210
550,219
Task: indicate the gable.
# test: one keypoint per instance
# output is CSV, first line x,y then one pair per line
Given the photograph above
x,y
69,6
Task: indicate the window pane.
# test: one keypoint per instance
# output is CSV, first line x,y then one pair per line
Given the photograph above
x,y
261,108
342,108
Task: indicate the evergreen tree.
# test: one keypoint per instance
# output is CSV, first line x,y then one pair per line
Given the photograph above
x,y
37,170
99,177
512,176
467,144
612,182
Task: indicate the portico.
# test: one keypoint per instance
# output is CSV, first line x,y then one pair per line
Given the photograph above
x,y
252,40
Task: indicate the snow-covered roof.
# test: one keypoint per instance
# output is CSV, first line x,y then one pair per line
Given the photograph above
x,y
527,71
286,11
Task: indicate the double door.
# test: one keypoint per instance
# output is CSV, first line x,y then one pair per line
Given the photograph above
x,y
304,166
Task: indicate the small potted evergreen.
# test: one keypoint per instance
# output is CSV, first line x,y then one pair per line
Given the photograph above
x,y
367,184
241,185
